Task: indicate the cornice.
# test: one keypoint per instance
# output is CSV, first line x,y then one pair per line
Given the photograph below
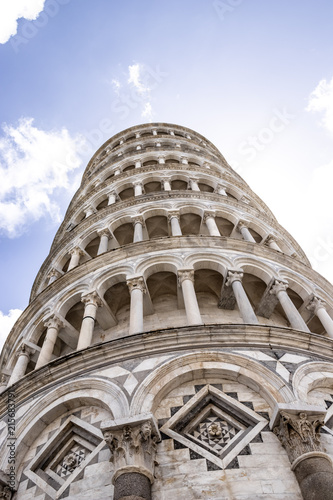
x,y
159,342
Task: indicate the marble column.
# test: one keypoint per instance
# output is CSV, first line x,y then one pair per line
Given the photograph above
x,y
75,257
89,211
53,325
194,185
299,433
104,235
209,220
112,198
53,275
221,190
173,218
186,281
317,306
132,443
295,319
166,184
117,171
234,279
247,236
138,223
184,160
137,188
161,159
272,244
23,357
91,301
138,164
137,289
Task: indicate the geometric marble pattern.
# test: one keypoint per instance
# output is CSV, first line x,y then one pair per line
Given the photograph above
x,y
70,461
215,433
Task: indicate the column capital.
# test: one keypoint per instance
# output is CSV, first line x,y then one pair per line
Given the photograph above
x,y
185,274
184,160
5,492
90,209
279,286
161,159
316,304
105,232
138,219
270,239
136,283
208,215
53,322
242,224
233,276
165,179
245,199
220,186
174,214
54,273
132,442
76,251
24,350
113,193
91,298
299,432
137,182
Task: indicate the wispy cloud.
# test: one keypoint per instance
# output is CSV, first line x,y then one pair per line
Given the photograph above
x,y
135,78
12,10
6,323
34,163
321,100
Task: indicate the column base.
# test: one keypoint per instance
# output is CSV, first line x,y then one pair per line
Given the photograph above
x,y
314,474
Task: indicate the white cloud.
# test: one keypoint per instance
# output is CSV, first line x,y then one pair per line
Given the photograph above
x,y
135,78
33,164
12,10
7,322
147,112
321,100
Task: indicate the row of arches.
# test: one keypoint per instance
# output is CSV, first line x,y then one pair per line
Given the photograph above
x,y
165,295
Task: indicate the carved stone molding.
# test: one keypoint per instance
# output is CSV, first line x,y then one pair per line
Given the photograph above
x,y
132,443
173,214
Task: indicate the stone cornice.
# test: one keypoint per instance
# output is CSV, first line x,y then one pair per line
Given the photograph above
x,y
159,342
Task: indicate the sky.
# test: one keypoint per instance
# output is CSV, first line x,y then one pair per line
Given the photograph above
x,y
253,76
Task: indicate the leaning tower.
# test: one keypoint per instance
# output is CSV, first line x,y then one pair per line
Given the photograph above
x,y
177,343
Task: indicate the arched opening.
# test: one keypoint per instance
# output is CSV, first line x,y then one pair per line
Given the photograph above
x,y
130,167
92,247
157,226
126,193
162,288
254,288
65,266
118,298
124,234
224,226
152,187
207,285
190,224
255,235
205,187
149,163
178,185
103,204
75,314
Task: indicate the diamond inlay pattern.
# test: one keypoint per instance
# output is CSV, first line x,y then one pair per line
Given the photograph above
x,y
215,433
71,461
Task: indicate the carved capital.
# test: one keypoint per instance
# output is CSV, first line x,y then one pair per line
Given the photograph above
x,y
233,276
242,225
219,187
245,199
24,350
137,283
104,232
316,304
185,274
137,183
278,286
76,251
5,492
208,215
4,379
184,160
138,220
172,215
132,443
54,273
92,298
270,239
299,433
53,322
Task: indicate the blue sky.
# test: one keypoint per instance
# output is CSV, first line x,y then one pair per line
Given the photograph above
x,y
254,76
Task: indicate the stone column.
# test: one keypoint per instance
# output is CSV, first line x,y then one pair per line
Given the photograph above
x,y
221,190
137,288
173,218
247,236
23,357
234,279
272,244
137,188
299,433
53,325
194,185
161,159
75,257
138,223
184,160
317,306
104,235
166,184
295,319
53,275
117,171
89,211
209,220
186,280
112,198
91,301
138,163
132,443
